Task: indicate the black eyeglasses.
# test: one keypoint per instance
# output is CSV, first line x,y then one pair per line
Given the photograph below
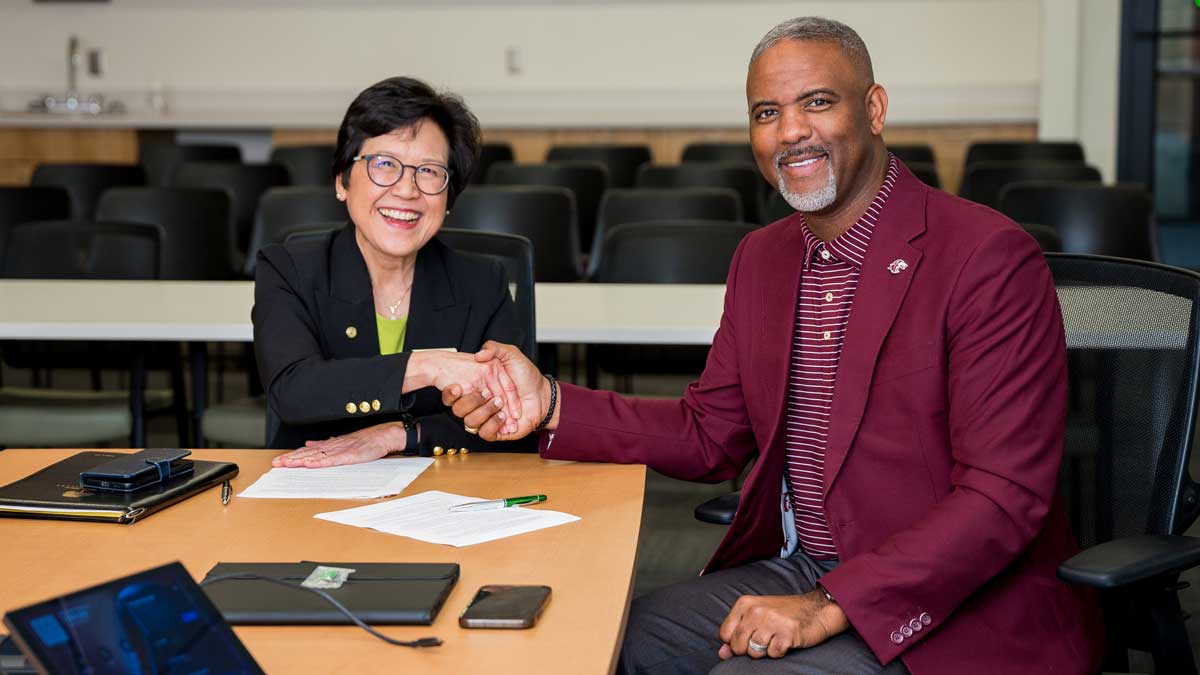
x,y
386,171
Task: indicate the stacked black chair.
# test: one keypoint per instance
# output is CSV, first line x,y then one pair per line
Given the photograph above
x,y
586,180
741,177
25,204
489,154
926,173
159,159
198,240
544,215
775,207
917,153
622,161
73,418
1114,220
245,184
282,210
1023,151
662,252
984,181
85,183
718,152
635,205
306,164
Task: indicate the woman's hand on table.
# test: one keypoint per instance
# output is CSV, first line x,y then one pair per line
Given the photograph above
x,y
364,445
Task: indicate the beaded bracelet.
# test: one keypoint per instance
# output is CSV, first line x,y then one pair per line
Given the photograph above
x,y
553,402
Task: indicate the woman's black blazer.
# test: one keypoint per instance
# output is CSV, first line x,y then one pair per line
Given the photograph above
x,y
318,347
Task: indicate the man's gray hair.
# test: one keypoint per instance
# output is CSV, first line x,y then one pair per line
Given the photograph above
x,y
819,29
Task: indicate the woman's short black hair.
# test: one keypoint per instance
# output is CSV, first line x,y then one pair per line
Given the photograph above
x,y
403,103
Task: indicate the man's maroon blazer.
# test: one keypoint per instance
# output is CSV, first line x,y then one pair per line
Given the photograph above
x,y
944,443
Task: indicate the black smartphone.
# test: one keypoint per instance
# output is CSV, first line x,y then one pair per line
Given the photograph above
x,y
497,606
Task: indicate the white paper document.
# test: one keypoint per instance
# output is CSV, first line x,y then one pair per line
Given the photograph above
x,y
427,517
381,478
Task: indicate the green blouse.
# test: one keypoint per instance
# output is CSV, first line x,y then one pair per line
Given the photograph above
x,y
391,334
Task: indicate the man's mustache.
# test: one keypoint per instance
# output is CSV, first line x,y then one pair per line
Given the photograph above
x,y
795,153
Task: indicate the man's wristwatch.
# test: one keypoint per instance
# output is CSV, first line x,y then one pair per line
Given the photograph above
x,y
826,593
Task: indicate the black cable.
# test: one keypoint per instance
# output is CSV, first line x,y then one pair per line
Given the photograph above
x,y
422,642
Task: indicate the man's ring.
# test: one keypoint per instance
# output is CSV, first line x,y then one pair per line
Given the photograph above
x,y
755,647
471,430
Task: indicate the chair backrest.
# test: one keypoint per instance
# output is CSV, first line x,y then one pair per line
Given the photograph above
x,y
1133,365
670,252
984,181
197,225
313,231
718,152
306,164
489,154
160,159
1046,236
245,184
622,160
284,209
1022,151
775,207
913,153
24,204
515,253
70,249
630,205
741,177
926,173
543,214
586,180
85,183
1114,220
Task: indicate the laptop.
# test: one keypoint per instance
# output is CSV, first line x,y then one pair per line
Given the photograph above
x,y
156,621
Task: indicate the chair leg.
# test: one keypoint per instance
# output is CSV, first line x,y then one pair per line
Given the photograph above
x,y
97,384
198,355
593,370
1170,647
137,401
179,399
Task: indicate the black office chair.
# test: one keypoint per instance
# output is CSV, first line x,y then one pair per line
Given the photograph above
x,y
635,205
1114,220
25,204
282,210
774,207
984,181
86,182
741,177
662,252
622,161
545,215
914,153
306,164
159,159
1022,151
1046,236
718,152
515,253
586,180
1132,331
245,184
48,417
489,154
198,226
926,173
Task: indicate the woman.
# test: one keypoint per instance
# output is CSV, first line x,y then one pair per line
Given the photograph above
x,y
354,329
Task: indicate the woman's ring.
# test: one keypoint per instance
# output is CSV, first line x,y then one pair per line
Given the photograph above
x,y
471,430
755,647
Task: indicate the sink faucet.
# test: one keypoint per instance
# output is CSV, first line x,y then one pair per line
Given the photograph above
x,y
74,59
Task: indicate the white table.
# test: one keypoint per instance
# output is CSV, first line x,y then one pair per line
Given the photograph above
x,y
219,311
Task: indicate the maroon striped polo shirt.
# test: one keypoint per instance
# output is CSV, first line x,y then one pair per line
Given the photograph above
x,y
830,276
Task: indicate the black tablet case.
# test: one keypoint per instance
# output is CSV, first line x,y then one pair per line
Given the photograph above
x,y
378,593
55,491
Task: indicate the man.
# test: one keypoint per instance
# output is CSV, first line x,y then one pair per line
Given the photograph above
x,y
895,358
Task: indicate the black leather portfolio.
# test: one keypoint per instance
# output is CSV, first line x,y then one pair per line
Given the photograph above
x,y
55,492
378,593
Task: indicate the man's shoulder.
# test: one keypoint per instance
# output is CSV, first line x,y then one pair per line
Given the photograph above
x,y
954,223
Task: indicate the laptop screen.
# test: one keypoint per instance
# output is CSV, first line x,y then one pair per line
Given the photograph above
x,y
157,621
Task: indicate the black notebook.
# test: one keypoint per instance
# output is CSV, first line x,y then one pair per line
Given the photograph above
x,y
55,492
378,593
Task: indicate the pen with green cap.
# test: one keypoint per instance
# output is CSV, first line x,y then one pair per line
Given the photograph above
x,y
498,503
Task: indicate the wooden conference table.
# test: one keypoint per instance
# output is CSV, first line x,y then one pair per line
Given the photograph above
x,y
588,563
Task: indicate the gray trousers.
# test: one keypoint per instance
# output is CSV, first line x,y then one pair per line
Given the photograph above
x,y
674,630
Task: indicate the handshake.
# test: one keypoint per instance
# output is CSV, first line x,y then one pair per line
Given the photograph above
x,y
498,393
